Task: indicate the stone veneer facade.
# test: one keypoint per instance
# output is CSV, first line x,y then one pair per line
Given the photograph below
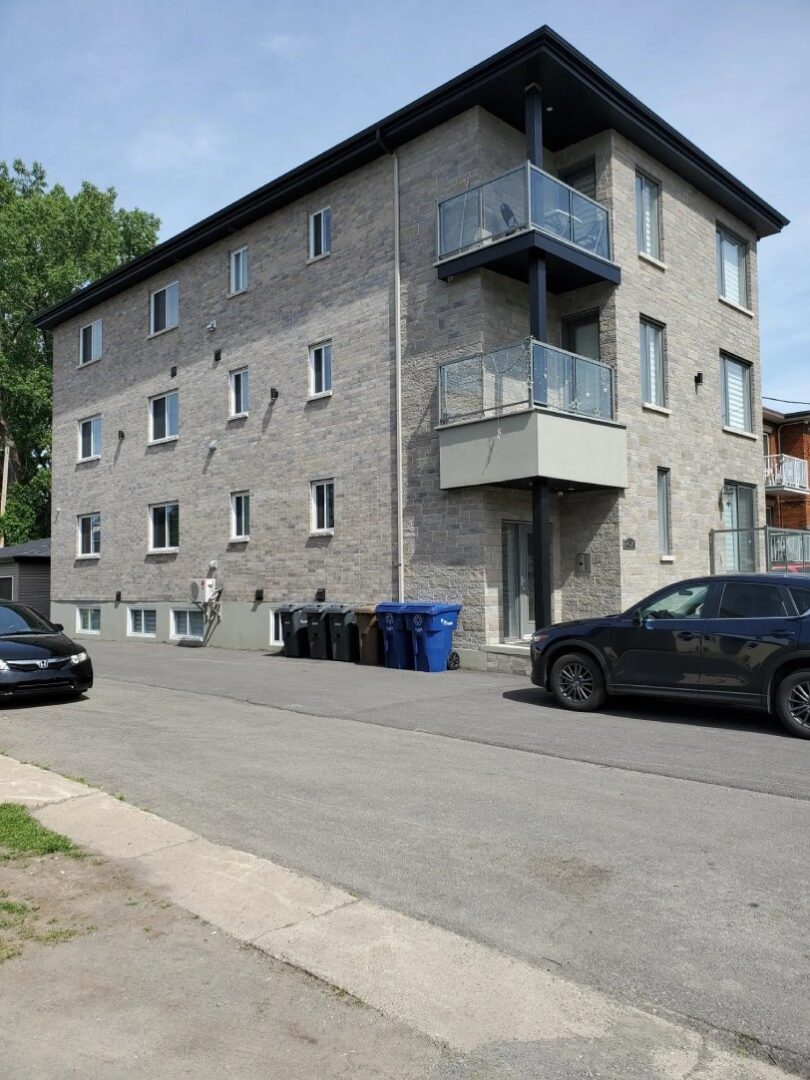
x,y
453,539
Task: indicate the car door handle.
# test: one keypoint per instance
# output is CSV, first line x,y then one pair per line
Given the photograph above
x,y
782,633
686,635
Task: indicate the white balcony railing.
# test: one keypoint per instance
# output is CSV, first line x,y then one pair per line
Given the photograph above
x,y
525,198
783,472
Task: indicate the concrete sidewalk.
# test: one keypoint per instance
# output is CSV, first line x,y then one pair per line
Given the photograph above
x,y
506,1017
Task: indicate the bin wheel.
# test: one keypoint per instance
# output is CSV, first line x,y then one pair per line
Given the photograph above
x,y
453,661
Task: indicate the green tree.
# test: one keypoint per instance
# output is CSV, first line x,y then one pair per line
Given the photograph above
x,y
51,244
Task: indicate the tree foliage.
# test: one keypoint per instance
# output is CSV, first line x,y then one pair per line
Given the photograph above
x,y
51,244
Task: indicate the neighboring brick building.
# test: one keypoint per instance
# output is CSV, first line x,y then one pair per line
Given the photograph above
x,y
787,454
600,423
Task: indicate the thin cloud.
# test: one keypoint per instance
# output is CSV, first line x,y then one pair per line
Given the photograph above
x,y
164,148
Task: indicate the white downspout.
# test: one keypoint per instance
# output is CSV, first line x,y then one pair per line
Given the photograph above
x,y
398,388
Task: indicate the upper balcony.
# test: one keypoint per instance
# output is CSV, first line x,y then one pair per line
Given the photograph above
x,y
785,474
529,410
496,225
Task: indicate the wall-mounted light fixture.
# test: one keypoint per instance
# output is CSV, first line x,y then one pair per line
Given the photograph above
x,y
273,394
211,326
173,371
121,435
258,596
698,378
118,597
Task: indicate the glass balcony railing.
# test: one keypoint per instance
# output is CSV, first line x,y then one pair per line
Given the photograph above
x,y
784,471
524,198
522,376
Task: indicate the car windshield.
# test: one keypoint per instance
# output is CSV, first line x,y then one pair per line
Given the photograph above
x,y
17,619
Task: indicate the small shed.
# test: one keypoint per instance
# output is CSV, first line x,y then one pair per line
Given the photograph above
x,y
25,574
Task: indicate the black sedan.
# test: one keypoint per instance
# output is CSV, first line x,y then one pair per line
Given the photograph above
x,y
741,639
36,657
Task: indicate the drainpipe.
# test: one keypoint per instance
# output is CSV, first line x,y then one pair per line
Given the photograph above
x,y
400,556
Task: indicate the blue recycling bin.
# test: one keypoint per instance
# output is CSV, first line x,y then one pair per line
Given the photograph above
x,y
431,627
395,635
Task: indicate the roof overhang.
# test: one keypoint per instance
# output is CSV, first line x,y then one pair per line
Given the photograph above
x,y
585,101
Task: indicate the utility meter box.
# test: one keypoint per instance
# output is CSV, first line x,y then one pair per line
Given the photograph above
x,y
203,590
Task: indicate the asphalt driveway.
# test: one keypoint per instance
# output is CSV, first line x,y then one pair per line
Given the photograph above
x,y
661,856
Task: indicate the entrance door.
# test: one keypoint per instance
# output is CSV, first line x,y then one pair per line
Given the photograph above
x,y
739,507
518,581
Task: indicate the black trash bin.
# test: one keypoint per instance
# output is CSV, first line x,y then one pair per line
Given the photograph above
x,y
294,629
343,635
320,647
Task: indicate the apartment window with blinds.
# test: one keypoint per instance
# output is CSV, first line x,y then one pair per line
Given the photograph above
x,y
736,393
731,268
142,622
239,270
653,374
164,417
89,536
90,439
320,233
320,369
238,383
664,503
323,506
240,515
648,196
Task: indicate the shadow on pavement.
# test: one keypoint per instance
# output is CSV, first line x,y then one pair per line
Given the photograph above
x,y
729,717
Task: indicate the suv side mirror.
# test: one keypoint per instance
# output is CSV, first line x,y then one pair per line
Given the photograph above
x,y
58,626
637,620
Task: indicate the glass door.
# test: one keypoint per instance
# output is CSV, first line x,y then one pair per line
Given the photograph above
x,y
739,514
518,581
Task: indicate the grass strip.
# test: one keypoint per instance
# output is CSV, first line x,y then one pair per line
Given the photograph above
x,y
22,834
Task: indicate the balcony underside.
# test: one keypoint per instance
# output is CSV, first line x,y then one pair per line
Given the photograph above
x,y
571,451
567,267
786,489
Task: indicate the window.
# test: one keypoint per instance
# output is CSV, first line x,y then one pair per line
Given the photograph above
x,y
683,602
739,521
581,334
7,588
320,233
164,527
582,177
88,620
648,195
187,623
89,535
323,505
320,369
653,384
240,515
90,438
664,527
239,392
745,600
736,393
277,633
142,622
731,268
90,342
164,417
165,308
239,270
801,598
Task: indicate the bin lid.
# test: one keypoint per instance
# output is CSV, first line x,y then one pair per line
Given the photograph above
x,y
288,607
314,609
418,607
339,609
366,609
390,605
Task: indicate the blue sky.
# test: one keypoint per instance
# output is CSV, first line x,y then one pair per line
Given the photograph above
x,y
184,106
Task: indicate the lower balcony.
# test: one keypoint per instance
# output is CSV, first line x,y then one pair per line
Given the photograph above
x,y
784,473
525,411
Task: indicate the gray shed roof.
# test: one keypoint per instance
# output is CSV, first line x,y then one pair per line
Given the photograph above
x,y
34,549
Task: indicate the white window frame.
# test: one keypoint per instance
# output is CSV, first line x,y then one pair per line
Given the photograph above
x,y
79,628
643,183
163,397
95,444
186,611
315,529
325,251
96,343
663,493
748,412
320,346
273,639
151,536
169,325
244,379
95,535
647,394
239,257
131,631
742,269
237,537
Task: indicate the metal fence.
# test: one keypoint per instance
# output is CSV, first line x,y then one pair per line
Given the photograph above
x,y
762,550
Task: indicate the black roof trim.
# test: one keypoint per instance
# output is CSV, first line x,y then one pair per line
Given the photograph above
x,y
519,62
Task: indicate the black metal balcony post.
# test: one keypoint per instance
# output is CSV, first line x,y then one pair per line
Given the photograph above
x,y
538,328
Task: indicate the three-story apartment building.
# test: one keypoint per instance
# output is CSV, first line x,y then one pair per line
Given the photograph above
x,y
501,347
